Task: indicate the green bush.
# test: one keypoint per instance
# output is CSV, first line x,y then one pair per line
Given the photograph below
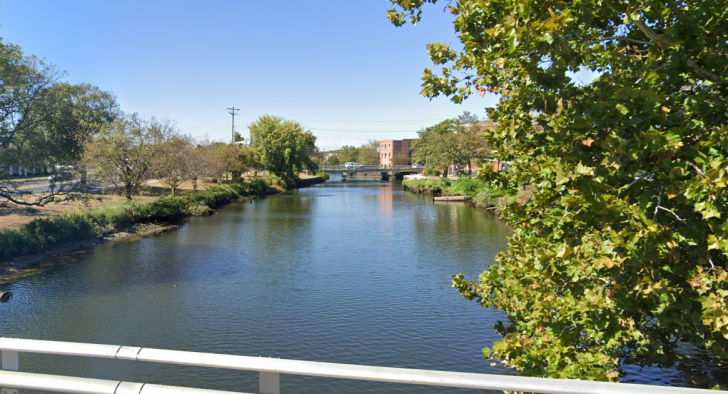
x,y
41,234
434,186
274,180
482,192
467,186
200,210
323,175
113,215
14,242
257,186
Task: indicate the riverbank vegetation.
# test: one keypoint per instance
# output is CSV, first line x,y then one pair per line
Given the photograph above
x,y
621,255
482,193
44,233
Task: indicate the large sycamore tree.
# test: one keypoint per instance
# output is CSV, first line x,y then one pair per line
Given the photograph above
x,y
620,255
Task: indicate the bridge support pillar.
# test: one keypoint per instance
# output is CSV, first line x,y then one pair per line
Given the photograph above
x,y
270,383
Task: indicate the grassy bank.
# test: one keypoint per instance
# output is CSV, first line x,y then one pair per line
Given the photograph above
x,y
43,234
482,193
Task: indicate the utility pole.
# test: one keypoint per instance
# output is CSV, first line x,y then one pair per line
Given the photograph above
x,y
233,113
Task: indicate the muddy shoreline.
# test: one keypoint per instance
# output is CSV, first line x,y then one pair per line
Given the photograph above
x,y
22,266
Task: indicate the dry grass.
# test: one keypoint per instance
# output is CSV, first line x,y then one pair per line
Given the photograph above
x,y
14,216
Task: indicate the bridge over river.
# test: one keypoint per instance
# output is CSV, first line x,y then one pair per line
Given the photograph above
x,y
384,170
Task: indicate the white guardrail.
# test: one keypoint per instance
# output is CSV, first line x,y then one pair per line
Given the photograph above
x,y
270,370
364,168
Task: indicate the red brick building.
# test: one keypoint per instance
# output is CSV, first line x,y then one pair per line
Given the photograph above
x,y
389,148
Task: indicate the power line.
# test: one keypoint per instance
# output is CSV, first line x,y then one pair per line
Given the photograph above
x,y
369,121
316,128
365,131
358,121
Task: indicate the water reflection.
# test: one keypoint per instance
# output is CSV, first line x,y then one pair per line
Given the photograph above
x,y
353,272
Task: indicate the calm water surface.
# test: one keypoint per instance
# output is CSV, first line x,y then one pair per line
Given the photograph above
x,y
349,272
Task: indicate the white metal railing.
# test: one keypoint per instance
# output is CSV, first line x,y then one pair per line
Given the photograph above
x,y
270,370
327,167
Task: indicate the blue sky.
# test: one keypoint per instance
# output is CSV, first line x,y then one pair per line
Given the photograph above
x,y
336,66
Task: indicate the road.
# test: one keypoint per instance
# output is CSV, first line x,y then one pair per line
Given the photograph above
x,y
44,186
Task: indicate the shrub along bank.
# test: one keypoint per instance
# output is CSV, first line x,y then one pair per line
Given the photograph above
x,y
483,194
42,234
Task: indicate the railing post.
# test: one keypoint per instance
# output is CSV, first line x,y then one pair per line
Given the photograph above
x,y
270,383
10,363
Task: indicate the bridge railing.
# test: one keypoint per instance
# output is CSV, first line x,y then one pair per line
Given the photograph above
x,y
362,168
270,370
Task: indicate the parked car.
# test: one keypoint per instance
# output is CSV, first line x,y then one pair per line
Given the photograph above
x,y
351,164
418,165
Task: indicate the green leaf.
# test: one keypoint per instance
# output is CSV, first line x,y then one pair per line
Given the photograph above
x,y
622,109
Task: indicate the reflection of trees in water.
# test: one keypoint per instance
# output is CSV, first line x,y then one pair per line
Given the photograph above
x,y
464,231
283,226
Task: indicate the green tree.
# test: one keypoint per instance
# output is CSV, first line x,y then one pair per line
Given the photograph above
x,y
45,125
226,159
24,82
283,146
333,160
433,146
239,137
400,160
457,141
348,153
369,153
73,114
620,255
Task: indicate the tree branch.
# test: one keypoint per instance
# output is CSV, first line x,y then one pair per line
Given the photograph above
x,y
672,212
659,201
661,41
620,38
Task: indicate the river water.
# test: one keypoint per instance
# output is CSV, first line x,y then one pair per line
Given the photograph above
x,y
351,272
